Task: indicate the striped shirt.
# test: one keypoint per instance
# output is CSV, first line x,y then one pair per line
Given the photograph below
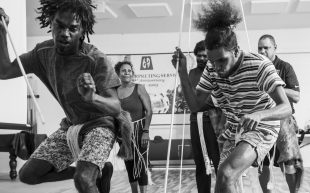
x,y
245,91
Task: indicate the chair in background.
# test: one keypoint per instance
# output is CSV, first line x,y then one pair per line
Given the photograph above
x,y
7,139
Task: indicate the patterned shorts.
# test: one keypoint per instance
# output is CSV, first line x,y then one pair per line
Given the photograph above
x,y
96,147
261,141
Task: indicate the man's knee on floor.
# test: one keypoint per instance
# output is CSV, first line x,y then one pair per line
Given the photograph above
x,y
27,176
33,170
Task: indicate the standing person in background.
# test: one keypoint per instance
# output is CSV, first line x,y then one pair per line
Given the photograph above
x,y
287,154
84,83
135,100
203,180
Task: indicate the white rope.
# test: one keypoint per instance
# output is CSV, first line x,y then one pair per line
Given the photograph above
x,y
249,45
139,163
73,140
184,113
245,26
271,183
203,143
239,183
23,72
149,174
181,23
181,164
190,25
173,101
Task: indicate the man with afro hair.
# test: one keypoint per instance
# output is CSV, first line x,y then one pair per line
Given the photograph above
x,y
247,89
84,83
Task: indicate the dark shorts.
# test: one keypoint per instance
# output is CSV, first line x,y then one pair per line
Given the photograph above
x,y
287,142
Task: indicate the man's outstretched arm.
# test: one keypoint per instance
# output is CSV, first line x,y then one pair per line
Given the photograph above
x,y
106,101
7,68
195,99
109,103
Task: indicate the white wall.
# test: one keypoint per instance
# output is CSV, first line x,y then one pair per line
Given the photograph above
x,y
13,98
288,40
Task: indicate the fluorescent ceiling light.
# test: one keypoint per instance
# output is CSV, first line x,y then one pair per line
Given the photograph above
x,y
150,9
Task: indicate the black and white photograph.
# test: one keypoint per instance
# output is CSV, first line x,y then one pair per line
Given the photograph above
x,y
154,96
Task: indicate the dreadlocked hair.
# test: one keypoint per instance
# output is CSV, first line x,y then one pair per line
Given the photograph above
x,y
82,9
218,22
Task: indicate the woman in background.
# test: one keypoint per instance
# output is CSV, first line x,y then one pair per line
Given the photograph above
x,y
136,101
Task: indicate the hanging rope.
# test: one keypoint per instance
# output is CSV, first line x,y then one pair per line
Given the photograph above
x,y
184,113
181,164
149,174
23,72
249,46
73,140
271,183
173,101
203,143
245,26
239,131
190,26
139,162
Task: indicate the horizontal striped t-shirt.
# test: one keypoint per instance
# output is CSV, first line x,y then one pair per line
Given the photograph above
x,y
245,91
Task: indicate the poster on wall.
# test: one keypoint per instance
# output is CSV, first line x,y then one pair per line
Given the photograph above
x,y
157,74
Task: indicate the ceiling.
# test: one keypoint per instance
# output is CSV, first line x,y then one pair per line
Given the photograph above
x,y
162,16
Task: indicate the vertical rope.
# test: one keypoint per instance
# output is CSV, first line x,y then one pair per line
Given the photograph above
x,y
149,174
139,161
239,183
181,164
203,143
181,23
173,102
23,72
249,45
190,25
183,127
245,26
271,183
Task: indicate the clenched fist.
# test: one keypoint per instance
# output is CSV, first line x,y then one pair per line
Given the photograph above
x,y
86,87
5,16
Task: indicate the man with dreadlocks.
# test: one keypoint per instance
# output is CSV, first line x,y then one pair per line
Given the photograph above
x,y
83,81
247,89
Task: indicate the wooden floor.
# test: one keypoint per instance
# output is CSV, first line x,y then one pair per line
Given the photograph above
x,y
120,183
250,181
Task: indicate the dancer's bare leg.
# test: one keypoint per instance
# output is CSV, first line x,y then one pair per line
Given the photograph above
x,y
232,168
134,187
264,178
143,189
85,177
36,171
